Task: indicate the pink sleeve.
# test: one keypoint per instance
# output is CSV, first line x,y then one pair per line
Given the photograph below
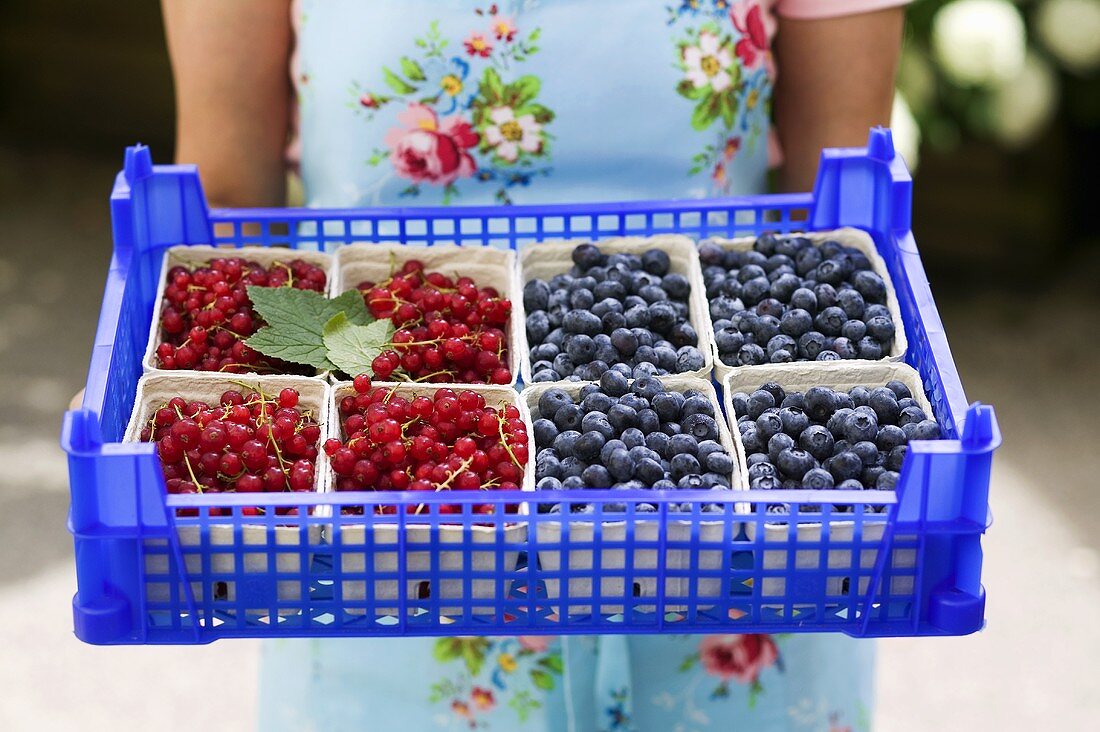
x,y
808,9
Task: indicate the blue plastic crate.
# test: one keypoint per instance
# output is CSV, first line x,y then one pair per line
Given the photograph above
x,y
147,575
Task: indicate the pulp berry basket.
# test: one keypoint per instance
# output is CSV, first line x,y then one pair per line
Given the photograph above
x,y
120,507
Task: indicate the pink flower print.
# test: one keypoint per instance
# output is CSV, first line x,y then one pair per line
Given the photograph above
x,y
427,150
369,101
508,135
707,64
536,643
478,45
731,148
738,657
753,48
504,29
482,698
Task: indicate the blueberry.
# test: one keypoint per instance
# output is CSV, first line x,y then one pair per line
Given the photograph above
x,y
830,272
586,256
564,364
536,295
549,467
683,464
784,287
826,296
885,405
870,474
901,391
835,422
677,286
645,354
911,415
881,328
664,484
634,401
710,253
818,479
645,508
648,421
718,462
755,290
769,423
655,262
887,481
596,476
766,243
658,442
632,437
895,458
795,421
566,443
582,321
715,481
751,354
889,437
841,446
740,401
778,443
551,400
845,348
845,465
696,404
764,482
689,358
588,446
820,403
861,425
770,306
620,465
671,428
538,326
870,286
765,328
828,356
597,401
582,299
796,322
581,348
810,345
700,426
853,330
609,447
851,302
545,431
682,445
568,417
795,463
759,401
867,452
830,320
586,282
683,334
870,349
752,441
725,307
545,376
762,469
549,483
817,441
876,311
649,471
926,430
571,467
613,383
668,404
849,484
691,481
646,387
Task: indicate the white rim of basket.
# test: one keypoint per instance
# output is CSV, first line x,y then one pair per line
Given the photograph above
x,y
483,258
529,400
210,387
200,254
847,236
510,396
698,312
831,374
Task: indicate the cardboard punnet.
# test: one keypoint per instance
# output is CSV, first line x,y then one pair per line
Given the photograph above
x,y
153,391
546,259
583,533
848,237
486,266
201,255
384,540
800,376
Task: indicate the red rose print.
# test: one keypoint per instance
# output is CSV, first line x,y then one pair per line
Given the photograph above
x,y
478,45
536,643
482,698
752,48
737,657
427,150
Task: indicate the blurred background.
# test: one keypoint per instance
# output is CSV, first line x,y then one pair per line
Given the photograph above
x,y
998,112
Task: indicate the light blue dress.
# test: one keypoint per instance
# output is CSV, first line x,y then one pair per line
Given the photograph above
x,y
410,102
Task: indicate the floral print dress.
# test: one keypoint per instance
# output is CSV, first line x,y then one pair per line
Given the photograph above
x,y
429,102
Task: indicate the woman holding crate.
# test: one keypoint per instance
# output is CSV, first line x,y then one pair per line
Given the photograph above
x,y
465,102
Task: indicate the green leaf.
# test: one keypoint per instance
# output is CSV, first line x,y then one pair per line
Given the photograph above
x,y
351,347
396,83
534,35
295,321
542,679
446,649
552,662
705,113
541,114
491,87
524,89
412,69
689,662
728,108
689,91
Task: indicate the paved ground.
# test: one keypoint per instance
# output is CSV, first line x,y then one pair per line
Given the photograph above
x,y
1033,355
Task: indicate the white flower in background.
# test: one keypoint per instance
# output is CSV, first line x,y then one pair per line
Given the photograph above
x,y
1071,30
916,79
706,63
508,134
1021,108
906,132
979,42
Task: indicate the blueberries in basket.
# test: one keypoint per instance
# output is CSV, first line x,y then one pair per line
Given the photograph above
x,y
814,294
855,439
614,309
629,435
